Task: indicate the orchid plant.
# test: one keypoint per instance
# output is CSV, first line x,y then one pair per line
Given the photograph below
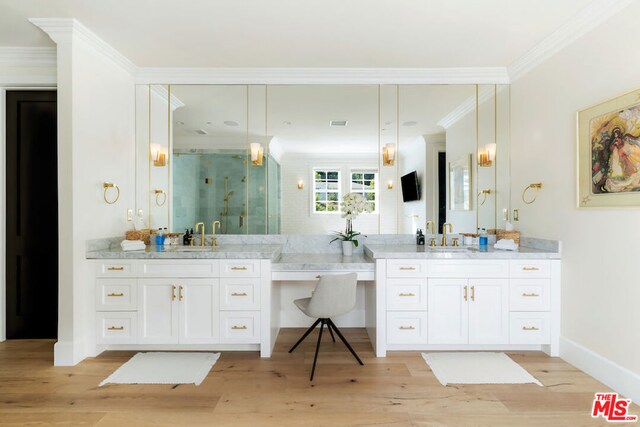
x,y
352,205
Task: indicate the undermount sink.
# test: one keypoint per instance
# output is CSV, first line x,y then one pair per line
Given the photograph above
x,y
453,249
194,249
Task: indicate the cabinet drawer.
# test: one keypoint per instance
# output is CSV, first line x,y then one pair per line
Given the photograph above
x,y
239,294
529,328
116,269
240,327
407,294
239,268
196,268
406,327
475,269
530,268
406,268
530,294
116,295
116,328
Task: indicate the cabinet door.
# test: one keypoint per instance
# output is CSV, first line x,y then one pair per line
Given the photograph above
x,y
198,311
448,311
158,317
488,311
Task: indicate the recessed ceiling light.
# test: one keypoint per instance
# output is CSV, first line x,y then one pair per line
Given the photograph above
x,y
338,123
179,123
231,123
208,123
286,123
410,123
201,132
387,123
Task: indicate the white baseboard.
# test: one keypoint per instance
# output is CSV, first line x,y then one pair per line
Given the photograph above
x,y
67,353
620,379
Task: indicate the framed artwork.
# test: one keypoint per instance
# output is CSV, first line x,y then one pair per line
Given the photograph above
x,y
460,184
609,153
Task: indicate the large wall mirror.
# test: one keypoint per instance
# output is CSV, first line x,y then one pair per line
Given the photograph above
x,y
277,159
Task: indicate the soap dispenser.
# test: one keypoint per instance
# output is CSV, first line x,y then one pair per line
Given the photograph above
x,y
419,238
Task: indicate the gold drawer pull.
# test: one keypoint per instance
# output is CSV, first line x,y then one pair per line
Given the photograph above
x,y
239,268
116,328
530,268
239,294
407,268
113,294
409,294
236,328
406,328
115,268
533,294
530,328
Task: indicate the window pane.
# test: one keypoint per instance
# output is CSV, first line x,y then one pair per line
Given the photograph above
x,y
370,196
369,176
333,197
321,197
369,184
373,206
332,207
321,185
321,207
332,186
332,175
356,177
321,176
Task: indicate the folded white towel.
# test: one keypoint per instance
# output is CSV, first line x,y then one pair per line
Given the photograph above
x,y
506,245
132,245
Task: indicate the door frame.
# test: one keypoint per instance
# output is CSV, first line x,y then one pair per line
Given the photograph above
x,y
3,198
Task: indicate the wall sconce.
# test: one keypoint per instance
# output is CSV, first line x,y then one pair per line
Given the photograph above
x,y
484,194
257,153
537,186
388,154
390,185
159,155
300,185
486,155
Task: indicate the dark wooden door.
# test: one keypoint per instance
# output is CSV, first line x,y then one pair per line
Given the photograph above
x,y
32,215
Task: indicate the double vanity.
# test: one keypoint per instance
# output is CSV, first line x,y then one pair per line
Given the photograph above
x,y
414,298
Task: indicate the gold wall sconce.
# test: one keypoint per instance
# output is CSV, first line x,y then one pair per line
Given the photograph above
x,y
159,155
390,185
486,155
107,186
300,185
483,194
257,153
389,154
536,186
161,197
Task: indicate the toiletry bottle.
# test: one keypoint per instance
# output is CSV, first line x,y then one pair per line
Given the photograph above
x,y
483,240
159,237
167,238
185,238
420,238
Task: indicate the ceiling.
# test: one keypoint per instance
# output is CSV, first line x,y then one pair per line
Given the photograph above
x,y
302,33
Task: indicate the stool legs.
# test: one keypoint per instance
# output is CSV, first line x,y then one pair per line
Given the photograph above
x,y
305,335
332,325
315,358
331,332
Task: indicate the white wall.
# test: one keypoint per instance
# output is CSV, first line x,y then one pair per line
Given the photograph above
x,y
600,281
297,215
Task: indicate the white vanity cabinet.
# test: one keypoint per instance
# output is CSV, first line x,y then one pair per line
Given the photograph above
x,y
466,304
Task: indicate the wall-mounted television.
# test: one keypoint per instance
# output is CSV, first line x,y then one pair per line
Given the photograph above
x,y
410,187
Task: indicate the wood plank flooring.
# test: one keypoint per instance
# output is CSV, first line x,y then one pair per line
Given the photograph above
x,y
244,390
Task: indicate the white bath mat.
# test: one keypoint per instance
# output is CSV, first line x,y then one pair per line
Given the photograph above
x,y
477,368
164,368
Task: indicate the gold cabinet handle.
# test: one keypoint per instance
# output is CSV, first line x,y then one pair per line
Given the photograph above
x,y
406,328
407,268
239,294
180,296
239,268
530,328
533,294
235,328
113,294
408,294
465,294
473,293
115,268
116,328
173,292
530,268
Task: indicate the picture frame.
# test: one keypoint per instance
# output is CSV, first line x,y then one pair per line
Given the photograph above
x,y
609,153
460,180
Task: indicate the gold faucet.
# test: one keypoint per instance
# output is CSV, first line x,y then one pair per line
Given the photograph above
x,y
202,238
430,226
214,239
444,232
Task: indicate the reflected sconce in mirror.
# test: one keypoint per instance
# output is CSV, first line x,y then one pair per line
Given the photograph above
x,y
300,185
486,155
528,199
257,153
483,194
107,186
161,197
390,185
389,154
159,156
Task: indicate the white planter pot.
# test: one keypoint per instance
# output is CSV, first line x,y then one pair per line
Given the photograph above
x,y
347,248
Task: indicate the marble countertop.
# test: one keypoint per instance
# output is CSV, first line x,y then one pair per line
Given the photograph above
x,y
322,262
425,252
271,252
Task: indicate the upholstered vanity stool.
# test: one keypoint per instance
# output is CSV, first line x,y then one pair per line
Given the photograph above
x,y
334,295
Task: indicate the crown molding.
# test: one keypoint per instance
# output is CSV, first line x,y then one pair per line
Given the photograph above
x,y
322,75
63,30
468,105
163,93
28,56
586,20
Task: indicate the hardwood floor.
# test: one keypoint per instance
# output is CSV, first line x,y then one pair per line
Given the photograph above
x,y
244,390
